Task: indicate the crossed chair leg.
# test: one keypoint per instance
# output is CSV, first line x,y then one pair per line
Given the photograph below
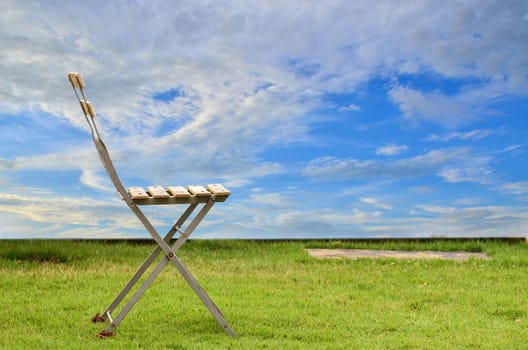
x,y
170,256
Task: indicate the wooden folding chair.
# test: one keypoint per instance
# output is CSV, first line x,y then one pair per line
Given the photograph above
x,y
192,196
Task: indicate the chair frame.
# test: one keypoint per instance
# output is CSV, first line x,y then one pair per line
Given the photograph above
x,y
193,199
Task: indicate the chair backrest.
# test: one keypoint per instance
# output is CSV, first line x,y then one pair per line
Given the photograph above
x,y
78,86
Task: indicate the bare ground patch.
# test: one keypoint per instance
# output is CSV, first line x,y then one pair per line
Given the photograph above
x,y
394,254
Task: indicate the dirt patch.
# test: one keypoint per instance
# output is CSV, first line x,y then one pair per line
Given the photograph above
x,y
393,254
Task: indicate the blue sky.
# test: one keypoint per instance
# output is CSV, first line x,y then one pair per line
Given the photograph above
x,y
325,118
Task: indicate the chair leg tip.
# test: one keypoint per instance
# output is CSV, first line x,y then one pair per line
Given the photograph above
x,y
105,334
98,318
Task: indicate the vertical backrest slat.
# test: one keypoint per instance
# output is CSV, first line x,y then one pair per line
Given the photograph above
x,y
78,86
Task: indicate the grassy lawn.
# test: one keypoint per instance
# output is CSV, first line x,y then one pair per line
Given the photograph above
x,y
273,294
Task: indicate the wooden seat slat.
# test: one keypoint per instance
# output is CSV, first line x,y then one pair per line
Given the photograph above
x,y
157,192
137,193
218,190
178,191
198,190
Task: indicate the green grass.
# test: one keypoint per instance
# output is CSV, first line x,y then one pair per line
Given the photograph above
x,y
273,294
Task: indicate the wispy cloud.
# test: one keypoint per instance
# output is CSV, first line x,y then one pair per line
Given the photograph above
x,y
376,203
442,109
440,221
391,150
351,107
518,187
463,136
477,170
58,210
428,163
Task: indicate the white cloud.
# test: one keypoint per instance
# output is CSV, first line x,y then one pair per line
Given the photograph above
x,y
355,217
439,108
477,134
514,150
317,220
332,167
351,107
476,169
219,53
391,150
426,220
376,202
83,160
240,93
272,199
470,201
518,187
440,221
96,181
423,189
59,210
66,159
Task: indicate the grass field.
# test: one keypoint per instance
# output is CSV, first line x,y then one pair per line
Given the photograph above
x,y
274,295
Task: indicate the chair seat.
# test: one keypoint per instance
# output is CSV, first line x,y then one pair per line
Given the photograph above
x,y
155,195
